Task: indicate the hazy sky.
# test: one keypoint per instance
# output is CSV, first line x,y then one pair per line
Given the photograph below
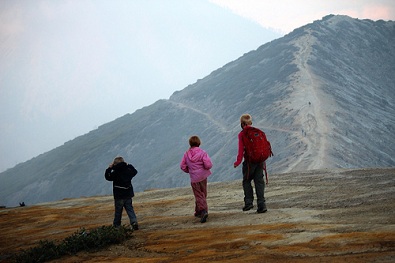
x,y
68,66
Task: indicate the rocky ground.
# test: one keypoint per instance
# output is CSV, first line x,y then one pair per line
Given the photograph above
x,y
315,216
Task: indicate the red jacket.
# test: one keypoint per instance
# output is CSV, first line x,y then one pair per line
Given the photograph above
x,y
240,152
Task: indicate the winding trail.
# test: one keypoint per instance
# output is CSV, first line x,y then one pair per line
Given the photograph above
x,y
310,115
208,116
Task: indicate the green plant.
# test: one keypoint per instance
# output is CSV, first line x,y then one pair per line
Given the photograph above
x,y
87,240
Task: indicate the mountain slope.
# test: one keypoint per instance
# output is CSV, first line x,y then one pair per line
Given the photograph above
x,y
324,94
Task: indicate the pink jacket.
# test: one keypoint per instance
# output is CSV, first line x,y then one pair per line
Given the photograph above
x,y
197,163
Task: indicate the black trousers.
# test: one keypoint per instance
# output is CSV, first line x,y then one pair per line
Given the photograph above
x,y
253,172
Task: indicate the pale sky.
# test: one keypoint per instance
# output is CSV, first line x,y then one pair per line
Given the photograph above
x,y
286,15
68,66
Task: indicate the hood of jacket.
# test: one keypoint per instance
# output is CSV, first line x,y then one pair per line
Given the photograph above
x,y
195,154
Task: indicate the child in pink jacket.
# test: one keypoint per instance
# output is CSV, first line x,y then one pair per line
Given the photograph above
x,y
197,163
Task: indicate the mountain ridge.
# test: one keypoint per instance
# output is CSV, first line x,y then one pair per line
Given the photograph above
x,y
316,93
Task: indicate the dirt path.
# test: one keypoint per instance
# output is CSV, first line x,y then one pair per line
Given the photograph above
x,y
308,103
215,122
317,216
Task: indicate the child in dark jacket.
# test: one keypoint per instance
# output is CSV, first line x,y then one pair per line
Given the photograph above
x,y
197,163
121,174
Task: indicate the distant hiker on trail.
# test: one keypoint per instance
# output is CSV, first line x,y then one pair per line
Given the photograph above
x,y
197,163
255,149
121,174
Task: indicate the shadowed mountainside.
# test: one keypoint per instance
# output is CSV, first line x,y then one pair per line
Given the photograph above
x,y
324,95
316,216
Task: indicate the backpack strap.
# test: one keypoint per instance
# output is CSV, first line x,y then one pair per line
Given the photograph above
x,y
266,174
264,169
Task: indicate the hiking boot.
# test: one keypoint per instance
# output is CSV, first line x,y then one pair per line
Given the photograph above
x,y
248,207
204,217
261,209
135,226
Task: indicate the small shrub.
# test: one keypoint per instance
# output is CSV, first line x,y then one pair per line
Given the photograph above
x,y
82,240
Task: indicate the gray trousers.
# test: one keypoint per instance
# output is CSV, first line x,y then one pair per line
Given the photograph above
x,y
128,205
253,171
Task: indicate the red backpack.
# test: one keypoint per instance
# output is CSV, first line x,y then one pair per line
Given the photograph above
x,y
257,147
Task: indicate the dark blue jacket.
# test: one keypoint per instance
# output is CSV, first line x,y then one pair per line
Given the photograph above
x,y
121,176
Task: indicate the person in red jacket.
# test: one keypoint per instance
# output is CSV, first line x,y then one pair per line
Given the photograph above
x,y
197,163
121,174
251,171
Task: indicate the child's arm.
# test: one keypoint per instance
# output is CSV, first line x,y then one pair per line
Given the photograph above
x,y
207,162
183,164
108,174
133,170
240,151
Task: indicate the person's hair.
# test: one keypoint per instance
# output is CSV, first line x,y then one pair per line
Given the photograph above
x,y
118,160
246,119
194,141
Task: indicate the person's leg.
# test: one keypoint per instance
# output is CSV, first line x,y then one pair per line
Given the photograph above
x,y
118,204
247,188
199,197
203,187
260,188
195,194
200,193
131,214
197,212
